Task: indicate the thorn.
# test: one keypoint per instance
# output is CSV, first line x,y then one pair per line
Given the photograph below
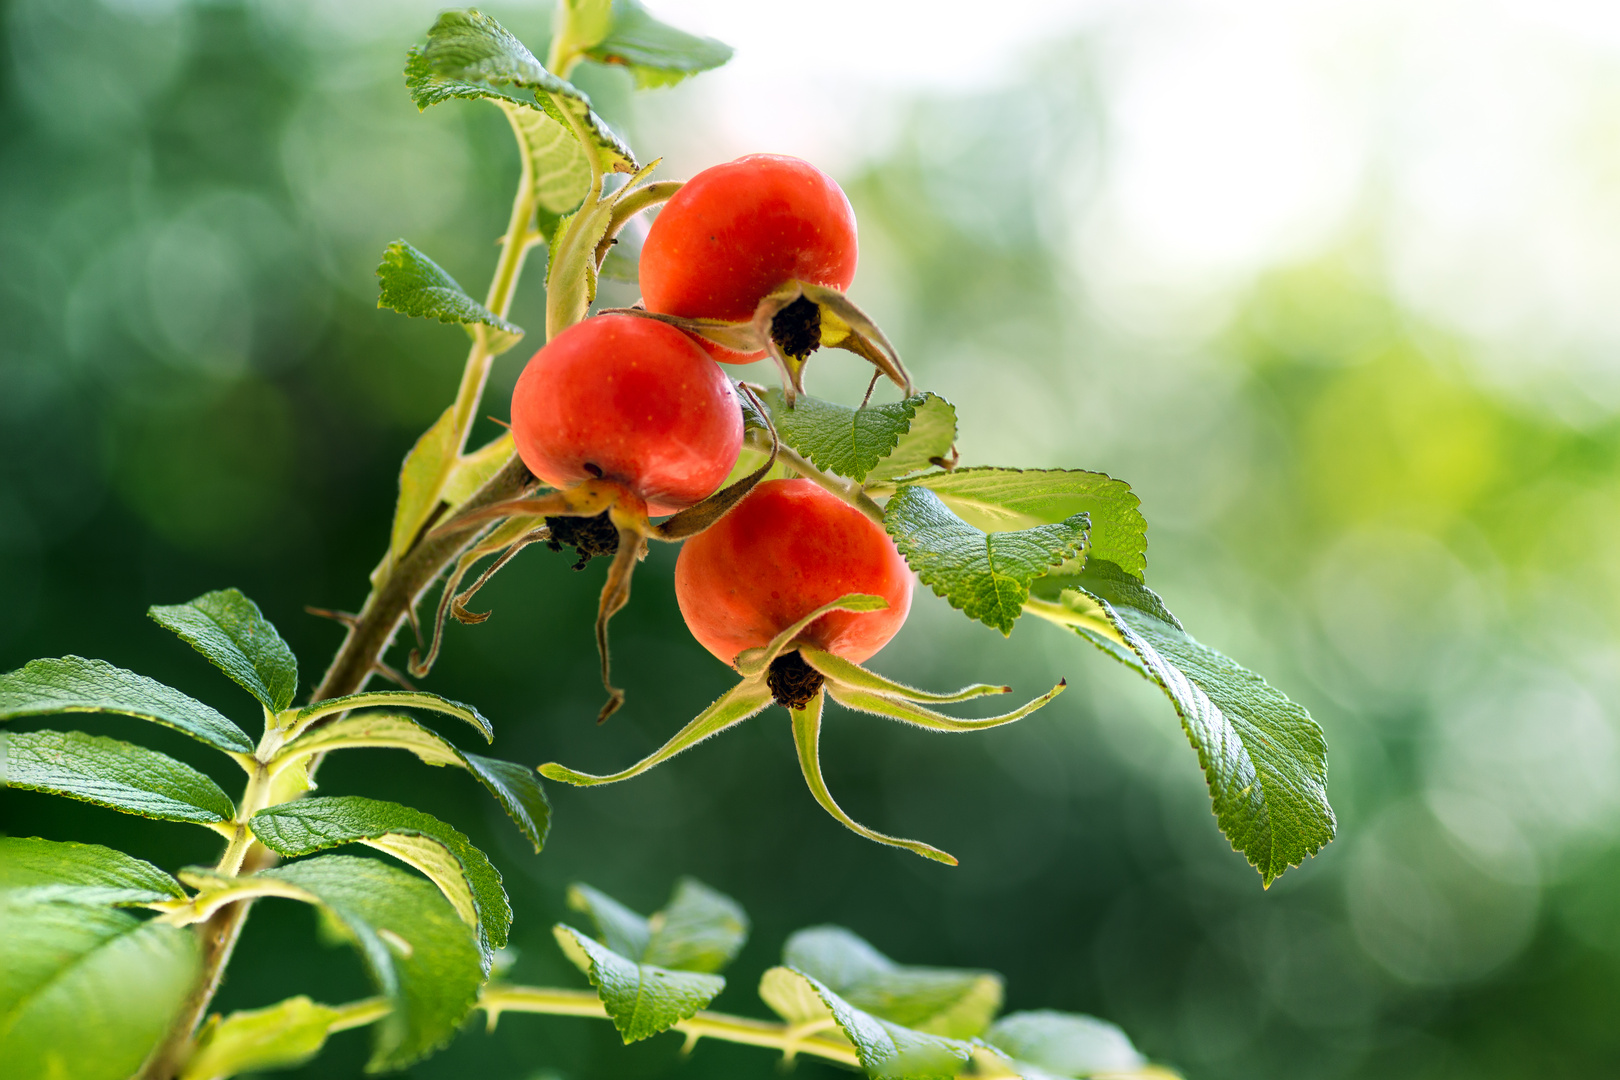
x,y
498,420
1061,682
343,617
392,676
1006,689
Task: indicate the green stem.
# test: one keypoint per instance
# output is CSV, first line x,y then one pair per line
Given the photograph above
x,y
371,632
359,1014
847,490
789,1039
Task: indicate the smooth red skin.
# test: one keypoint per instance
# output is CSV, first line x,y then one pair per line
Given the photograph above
x,y
787,549
735,232
637,399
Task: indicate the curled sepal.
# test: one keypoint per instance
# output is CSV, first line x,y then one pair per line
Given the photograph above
x,y
694,519
807,737
616,594
835,322
733,707
897,708
753,662
839,670
508,538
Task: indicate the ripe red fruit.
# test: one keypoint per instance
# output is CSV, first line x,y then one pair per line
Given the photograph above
x,y
632,401
736,232
787,549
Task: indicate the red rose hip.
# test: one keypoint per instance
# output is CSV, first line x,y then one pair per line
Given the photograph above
x,y
736,232
629,400
787,549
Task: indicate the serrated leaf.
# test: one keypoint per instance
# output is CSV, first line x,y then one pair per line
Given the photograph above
x,y
281,1036
986,575
470,55
74,684
111,773
86,992
233,633
460,870
1263,756
656,53
997,500
640,999
412,284
516,787
929,440
652,973
562,171
700,929
954,1002
887,1051
416,949
40,870
1044,1044
853,442
398,699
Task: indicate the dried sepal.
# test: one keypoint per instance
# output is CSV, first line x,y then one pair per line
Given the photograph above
x,y
508,538
632,527
694,519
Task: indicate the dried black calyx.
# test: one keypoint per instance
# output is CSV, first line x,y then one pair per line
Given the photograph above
x,y
792,681
588,536
796,329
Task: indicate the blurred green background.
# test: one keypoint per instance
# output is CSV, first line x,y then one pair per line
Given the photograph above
x,y
1397,502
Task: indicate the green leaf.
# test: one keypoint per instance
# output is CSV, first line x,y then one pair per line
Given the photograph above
x,y
413,284
1054,1044
86,992
418,952
986,575
38,870
562,172
652,973
998,500
231,631
111,773
698,930
398,699
470,55
516,787
939,1001
929,440
74,684
656,53
285,1034
888,1051
853,442
1264,758
461,871
640,999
